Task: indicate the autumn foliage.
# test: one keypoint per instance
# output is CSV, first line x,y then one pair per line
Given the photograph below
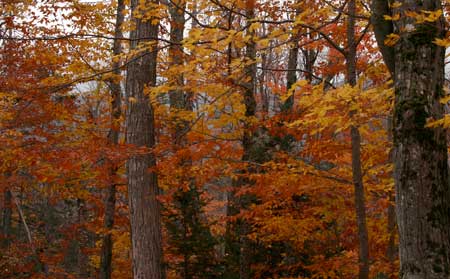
x,y
273,187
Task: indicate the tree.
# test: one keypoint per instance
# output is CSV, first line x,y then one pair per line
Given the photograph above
x,y
357,174
416,64
190,237
145,212
116,114
253,132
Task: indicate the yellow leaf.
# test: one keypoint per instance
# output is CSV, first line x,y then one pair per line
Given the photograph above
x,y
445,100
393,18
395,5
442,42
391,39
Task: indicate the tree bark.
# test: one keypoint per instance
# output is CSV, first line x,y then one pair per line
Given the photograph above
x,y
420,153
113,138
145,212
360,204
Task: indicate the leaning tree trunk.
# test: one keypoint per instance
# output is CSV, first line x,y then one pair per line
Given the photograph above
x,y
360,204
420,152
113,138
145,216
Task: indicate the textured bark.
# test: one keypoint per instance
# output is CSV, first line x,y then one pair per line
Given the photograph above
x,y
420,153
113,138
145,212
360,204
421,171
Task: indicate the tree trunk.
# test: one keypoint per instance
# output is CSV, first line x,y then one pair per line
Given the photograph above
x,y
113,138
7,215
178,99
248,140
421,171
420,153
237,242
360,204
291,77
143,188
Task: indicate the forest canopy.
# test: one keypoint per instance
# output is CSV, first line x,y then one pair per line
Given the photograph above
x,y
234,139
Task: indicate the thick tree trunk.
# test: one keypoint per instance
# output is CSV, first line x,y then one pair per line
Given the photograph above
x,y
360,204
421,170
420,153
113,138
145,213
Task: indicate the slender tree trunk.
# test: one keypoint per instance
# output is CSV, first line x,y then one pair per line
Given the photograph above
x,y
420,153
237,243
113,137
179,100
248,139
291,77
6,218
360,204
145,212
